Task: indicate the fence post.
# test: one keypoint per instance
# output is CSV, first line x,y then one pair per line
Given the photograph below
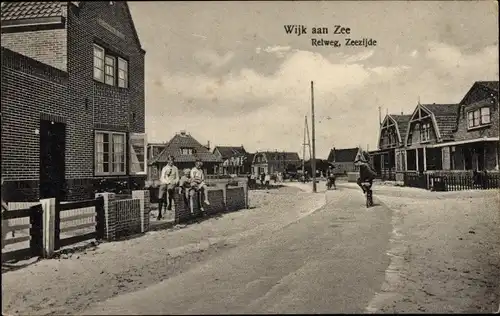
x,y
49,229
36,230
143,197
100,218
110,219
245,190
224,194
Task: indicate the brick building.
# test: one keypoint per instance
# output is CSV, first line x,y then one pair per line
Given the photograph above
x,y
72,99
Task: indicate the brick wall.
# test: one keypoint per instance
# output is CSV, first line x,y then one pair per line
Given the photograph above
x,y
30,89
126,217
235,199
46,46
463,133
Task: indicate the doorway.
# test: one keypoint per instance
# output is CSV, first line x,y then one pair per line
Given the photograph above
x,y
52,160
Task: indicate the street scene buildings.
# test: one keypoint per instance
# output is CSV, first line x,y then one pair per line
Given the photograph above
x,y
119,127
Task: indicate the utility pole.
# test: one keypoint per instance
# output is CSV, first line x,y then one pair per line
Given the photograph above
x,y
313,158
304,149
304,144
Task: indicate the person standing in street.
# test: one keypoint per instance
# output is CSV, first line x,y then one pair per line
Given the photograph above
x,y
169,178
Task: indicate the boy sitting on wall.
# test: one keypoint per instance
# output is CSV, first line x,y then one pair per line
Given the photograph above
x,y
185,184
198,180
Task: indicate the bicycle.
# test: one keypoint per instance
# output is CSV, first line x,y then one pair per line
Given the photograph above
x,y
369,193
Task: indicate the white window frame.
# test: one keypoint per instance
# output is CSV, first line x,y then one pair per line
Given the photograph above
x,y
187,151
476,118
137,140
111,154
122,82
100,70
425,132
483,115
112,66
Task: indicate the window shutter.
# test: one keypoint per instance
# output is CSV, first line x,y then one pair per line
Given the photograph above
x,y
137,149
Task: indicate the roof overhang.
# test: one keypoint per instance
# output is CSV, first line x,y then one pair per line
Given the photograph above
x,y
468,141
36,24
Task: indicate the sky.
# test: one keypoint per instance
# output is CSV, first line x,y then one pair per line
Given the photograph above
x,y
228,73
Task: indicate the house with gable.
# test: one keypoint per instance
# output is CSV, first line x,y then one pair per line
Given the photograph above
x,y
72,114
429,125
272,162
475,145
343,159
235,159
185,150
390,156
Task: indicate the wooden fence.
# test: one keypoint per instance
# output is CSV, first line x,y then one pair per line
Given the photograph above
x,y
415,180
97,225
464,182
35,237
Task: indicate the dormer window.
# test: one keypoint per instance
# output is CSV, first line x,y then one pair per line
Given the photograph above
x,y
479,117
187,151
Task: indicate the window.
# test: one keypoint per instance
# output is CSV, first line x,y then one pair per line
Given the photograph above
x,y
187,151
110,69
479,117
425,132
122,73
137,147
109,153
98,63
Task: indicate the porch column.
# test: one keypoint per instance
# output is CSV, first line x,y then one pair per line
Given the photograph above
x,y
416,159
425,159
405,167
496,155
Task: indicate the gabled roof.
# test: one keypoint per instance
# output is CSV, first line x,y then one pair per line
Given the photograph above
x,y
230,151
184,140
401,122
444,119
18,10
342,155
491,85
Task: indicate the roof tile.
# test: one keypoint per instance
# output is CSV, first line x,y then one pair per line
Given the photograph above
x,y
18,10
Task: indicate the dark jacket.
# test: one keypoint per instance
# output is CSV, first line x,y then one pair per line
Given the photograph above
x,y
366,173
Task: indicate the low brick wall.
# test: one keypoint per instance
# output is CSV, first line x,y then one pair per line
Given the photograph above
x,y
235,199
126,217
221,199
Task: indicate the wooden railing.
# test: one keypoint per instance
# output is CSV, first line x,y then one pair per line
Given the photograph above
x,y
35,227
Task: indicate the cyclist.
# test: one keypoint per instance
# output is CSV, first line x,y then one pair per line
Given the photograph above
x,y
366,173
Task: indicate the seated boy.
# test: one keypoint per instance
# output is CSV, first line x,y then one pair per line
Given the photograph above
x,y
198,180
185,184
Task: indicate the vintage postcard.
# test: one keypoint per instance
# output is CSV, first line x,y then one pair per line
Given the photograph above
x,y
319,156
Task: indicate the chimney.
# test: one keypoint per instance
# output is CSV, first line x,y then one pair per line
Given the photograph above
x,y
208,145
183,132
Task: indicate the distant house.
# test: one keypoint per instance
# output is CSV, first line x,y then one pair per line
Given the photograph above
x,y
343,159
430,125
272,162
390,154
475,145
154,149
185,150
235,159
